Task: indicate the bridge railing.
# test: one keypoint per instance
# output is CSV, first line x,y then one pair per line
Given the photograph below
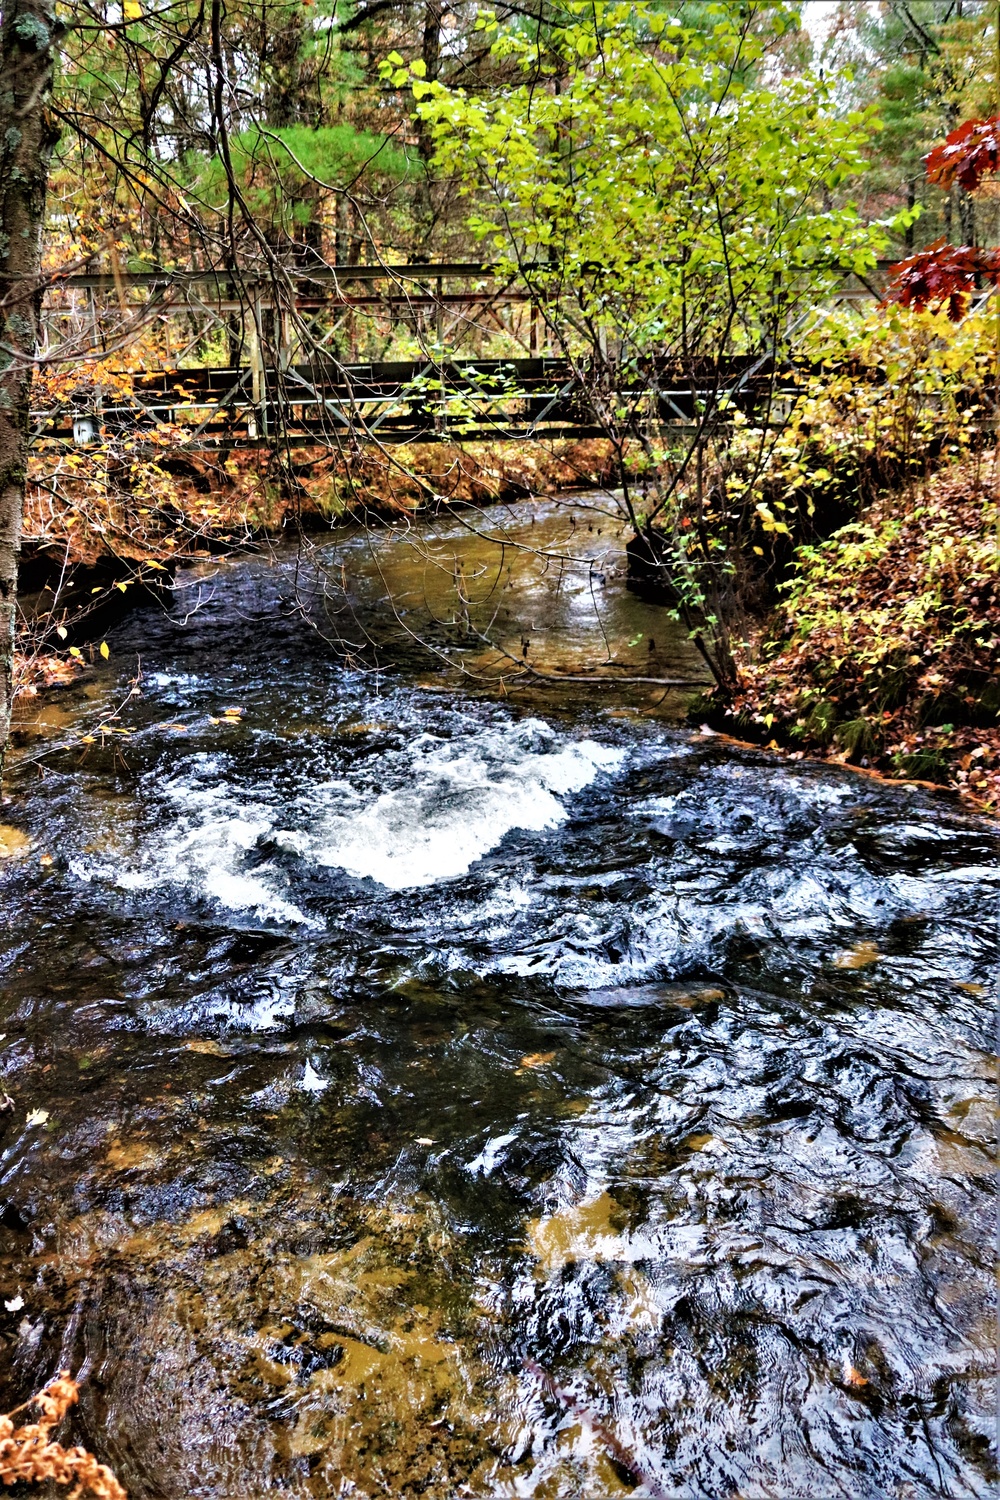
x,y
231,358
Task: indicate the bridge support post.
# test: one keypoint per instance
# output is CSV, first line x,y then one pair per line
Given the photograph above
x,y
258,386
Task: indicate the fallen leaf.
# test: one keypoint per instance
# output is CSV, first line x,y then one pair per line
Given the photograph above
x,y
37,1117
15,1304
687,997
858,957
45,859
208,1047
697,1142
424,1140
537,1059
853,1376
969,988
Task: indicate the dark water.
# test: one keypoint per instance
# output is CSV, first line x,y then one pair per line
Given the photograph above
x,y
450,1094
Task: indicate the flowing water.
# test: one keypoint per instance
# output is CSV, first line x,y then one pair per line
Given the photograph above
x,y
423,1086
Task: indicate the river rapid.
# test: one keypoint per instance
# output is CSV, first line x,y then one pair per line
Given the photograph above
x,y
428,1081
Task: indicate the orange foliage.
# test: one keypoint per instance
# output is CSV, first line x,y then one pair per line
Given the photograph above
x,y
968,154
28,1454
886,648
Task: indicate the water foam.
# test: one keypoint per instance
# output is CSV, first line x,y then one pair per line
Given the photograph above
x,y
204,847
458,799
416,816
206,854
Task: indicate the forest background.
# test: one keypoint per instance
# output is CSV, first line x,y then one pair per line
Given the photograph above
x,y
835,558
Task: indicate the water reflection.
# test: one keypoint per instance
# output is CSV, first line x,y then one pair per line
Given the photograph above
x,y
528,592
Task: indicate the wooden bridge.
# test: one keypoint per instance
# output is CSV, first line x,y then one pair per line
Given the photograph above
x,y
393,402
269,397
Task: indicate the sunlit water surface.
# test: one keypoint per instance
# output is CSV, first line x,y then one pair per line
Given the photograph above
x,y
452,1092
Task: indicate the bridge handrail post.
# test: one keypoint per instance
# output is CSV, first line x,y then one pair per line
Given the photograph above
x,y
258,378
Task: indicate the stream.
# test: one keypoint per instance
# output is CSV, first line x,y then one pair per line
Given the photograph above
x,y
430,1080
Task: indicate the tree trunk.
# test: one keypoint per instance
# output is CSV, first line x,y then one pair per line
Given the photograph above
x,y
424,205
911,202
27,41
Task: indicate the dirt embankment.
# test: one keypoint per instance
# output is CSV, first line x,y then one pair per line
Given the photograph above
x,y
133,506
885,650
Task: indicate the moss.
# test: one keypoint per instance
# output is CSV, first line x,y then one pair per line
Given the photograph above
x,y
922,765
988,699
821,722
34,32
894,685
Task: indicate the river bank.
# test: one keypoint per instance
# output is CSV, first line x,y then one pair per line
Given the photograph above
x,y
884,651
97,504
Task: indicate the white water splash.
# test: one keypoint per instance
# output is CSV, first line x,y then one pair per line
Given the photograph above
x,y
203,847
205,851
457,801
416,816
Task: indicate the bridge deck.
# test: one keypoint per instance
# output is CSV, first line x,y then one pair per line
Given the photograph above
x,y
403,401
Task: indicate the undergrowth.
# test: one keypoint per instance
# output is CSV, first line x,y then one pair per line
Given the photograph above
x,y
885,648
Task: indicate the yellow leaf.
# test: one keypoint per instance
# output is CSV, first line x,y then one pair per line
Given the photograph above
x,y
858,957
537,1059
104,650
132,10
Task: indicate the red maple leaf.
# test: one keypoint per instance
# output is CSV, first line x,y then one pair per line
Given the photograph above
x,y
969,154
943,275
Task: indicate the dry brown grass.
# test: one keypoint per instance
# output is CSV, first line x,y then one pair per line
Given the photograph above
x,y
28,1454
